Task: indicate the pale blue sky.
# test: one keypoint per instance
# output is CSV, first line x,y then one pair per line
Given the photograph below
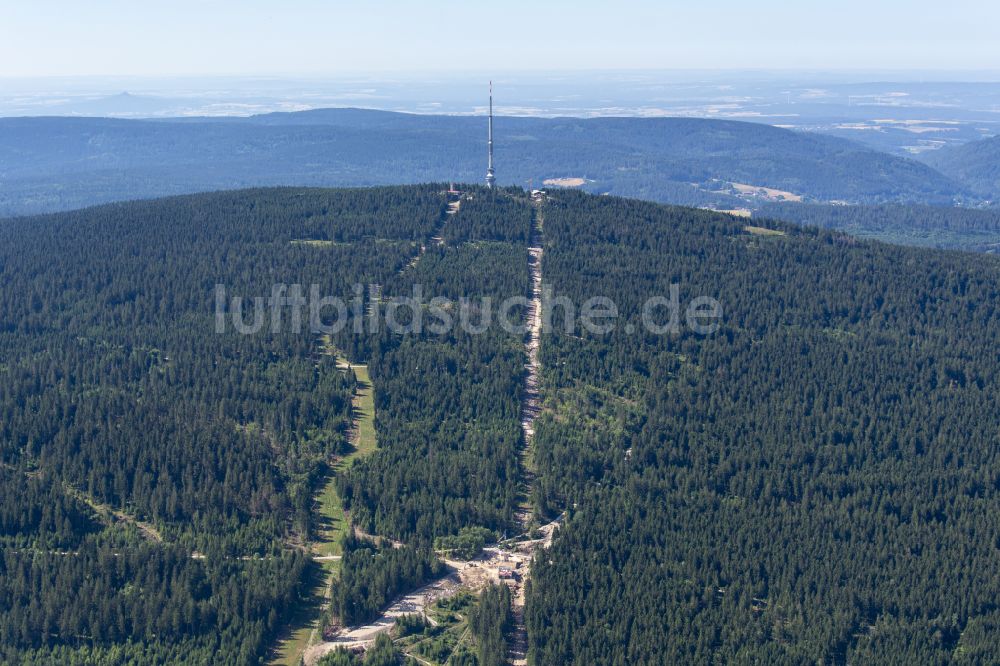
x,y
309,37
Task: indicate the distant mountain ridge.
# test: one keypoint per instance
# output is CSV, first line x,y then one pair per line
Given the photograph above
x,y
58,163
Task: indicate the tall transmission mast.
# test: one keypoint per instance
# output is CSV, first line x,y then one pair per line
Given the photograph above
x,y
491,178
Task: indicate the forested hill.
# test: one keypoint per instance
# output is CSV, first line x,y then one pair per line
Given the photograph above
x,y
817,482
53,163
157,476
975,165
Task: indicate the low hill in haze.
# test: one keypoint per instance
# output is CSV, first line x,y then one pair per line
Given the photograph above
x,y
970,229
50,163
975,165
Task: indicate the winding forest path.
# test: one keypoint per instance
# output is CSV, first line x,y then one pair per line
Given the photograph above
x,y
530,407
111,516
437,237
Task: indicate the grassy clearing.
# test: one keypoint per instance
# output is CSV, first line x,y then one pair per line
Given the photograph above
x,y
333,521
305,625
317,243
292,648
364,415
363,442
763,231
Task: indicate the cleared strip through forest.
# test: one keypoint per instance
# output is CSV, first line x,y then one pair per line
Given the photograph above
x,y
361,435
530,406
334,522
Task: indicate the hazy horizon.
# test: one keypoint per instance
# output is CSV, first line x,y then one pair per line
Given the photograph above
x,y
222,37
912,111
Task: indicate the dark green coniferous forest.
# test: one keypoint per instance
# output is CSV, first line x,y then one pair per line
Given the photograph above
x,y
816,481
